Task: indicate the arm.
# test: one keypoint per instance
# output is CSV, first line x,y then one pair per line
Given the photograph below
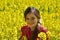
x,y
21,38
43,29
47,37
46,32
39,38
23,35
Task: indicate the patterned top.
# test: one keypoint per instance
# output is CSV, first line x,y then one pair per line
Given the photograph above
x,y
26,31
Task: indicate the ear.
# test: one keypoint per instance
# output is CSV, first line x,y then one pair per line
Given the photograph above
x,y
38,20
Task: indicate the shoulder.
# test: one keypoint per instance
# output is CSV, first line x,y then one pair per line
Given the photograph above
x,y
41,28
24,30
23,27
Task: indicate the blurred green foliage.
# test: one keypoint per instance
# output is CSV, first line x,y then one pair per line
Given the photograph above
x,y
12,17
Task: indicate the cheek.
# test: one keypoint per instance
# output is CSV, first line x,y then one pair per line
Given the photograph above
x,y
35,22
27,21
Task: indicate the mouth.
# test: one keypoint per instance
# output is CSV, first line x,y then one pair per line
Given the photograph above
x,y
32,24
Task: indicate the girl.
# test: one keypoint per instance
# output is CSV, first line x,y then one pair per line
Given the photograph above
x,y
33,27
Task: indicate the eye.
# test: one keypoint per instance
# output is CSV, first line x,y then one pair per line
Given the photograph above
x,y
32,18
27,18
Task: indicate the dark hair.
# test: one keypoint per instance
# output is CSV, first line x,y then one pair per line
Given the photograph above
x,y
37,14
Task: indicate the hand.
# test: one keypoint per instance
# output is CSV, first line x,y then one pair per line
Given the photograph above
x,y
22,38
39,39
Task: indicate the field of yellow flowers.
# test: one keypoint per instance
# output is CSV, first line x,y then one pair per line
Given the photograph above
x,y
12,17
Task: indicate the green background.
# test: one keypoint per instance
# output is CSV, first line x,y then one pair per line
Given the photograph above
x,y
12,17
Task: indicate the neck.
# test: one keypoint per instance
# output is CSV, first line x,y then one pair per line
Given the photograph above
x,y
32,28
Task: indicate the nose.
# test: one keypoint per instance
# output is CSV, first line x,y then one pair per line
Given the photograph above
x,y
31,20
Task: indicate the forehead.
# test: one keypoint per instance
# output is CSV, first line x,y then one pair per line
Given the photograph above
x,y
30,15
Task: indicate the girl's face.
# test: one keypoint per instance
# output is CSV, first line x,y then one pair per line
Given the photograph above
x,y
31,20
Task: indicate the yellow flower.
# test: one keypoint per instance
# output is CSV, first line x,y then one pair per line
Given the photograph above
x,y
42,35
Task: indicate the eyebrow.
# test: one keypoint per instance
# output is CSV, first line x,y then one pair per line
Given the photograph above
x,y
33,17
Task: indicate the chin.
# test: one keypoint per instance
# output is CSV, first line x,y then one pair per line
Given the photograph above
x,y
33,25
